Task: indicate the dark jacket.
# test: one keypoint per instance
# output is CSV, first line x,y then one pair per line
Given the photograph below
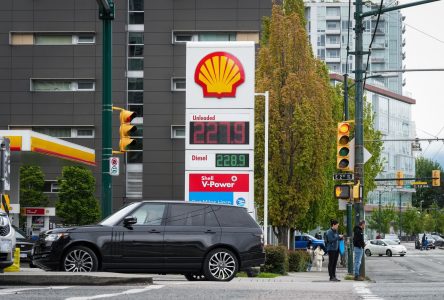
x,y
358,237
332,240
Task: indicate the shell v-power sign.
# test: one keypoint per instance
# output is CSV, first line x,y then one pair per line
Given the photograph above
x,y
219,155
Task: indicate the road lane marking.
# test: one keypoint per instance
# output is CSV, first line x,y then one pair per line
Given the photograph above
x,y
364,292
20,290
127,292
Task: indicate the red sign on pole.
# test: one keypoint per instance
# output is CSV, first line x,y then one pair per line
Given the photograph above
x,y
219,183
35,211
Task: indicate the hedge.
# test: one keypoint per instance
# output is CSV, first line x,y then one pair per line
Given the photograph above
x,y
276,260
298,260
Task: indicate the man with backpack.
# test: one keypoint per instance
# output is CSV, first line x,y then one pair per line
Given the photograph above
x,y
332,245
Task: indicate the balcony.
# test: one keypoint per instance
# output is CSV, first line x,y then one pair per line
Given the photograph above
x,y
332,59
377,60
333,18
334,31
333,46
378,46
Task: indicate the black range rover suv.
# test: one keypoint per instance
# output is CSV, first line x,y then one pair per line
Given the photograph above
x,y
201,241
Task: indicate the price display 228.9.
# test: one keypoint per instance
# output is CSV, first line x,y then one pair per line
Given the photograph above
x,y
219,132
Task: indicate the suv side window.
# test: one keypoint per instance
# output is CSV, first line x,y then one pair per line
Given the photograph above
x,y
210,218
234,217
186,215
149,214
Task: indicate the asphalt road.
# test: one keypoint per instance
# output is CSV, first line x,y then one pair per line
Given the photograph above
x,y
418,275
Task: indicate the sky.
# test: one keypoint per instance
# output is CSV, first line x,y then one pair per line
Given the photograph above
x,y
426,50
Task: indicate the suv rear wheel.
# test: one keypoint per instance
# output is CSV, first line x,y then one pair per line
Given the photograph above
x,y
80,259
220,265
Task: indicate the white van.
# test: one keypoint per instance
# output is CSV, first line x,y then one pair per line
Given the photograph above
x,y
7,241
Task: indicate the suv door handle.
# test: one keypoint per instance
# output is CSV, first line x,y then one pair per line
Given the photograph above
x,y
210,231
154,231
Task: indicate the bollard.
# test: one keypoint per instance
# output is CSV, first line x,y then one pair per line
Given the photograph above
x,y
15,267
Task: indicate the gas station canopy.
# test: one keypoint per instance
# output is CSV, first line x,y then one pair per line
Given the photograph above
x,y
28,140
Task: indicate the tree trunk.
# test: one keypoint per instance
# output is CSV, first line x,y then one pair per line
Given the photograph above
x,y
291,246
283,236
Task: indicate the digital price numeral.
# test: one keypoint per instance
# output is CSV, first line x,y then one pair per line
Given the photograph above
x,y
219,133
232,160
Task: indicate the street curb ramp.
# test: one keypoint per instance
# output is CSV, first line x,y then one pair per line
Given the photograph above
x,y
63,278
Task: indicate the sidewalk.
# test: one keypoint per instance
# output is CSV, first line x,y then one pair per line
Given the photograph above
x,y
28,276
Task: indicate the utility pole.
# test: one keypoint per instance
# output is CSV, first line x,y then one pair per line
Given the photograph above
x,y
359,106
106,14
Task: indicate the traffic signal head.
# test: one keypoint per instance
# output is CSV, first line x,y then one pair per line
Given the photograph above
x,y
343,151
126,129
342,191
399,177
436,178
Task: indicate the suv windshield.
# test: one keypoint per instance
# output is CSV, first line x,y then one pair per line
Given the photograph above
x,y
118,215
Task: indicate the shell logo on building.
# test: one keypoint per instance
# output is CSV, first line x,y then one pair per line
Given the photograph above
x,y
219,74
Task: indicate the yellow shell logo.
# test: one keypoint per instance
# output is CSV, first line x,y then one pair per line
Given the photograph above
x,y
219,74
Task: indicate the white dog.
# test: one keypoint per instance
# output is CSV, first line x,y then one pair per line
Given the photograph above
x,y
318,255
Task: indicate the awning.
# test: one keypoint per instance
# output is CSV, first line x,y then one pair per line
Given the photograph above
x,y
28,140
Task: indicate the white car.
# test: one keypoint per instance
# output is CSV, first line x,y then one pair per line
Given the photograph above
x,y
7,241
384,247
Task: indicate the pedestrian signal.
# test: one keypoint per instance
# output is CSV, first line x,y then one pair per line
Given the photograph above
x,y
342,191
436,178
399,177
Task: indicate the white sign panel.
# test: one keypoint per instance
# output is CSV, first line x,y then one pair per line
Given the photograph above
x,y
230,187
114,166
219,129
220,75
219,160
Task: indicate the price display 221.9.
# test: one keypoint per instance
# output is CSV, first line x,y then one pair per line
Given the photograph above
x,y
219,132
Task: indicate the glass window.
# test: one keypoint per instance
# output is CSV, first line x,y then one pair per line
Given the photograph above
x,y
135,64
135,38
50,186
186,215
217,37
234,217
135,97
85,132
135,5
178,84
183,37
210,218
177,132
85,85
135,50
50,85
135,83
135,157
85,38
149,214
136,18
53,39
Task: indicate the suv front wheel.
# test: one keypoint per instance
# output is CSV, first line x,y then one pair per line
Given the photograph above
x,y
220,265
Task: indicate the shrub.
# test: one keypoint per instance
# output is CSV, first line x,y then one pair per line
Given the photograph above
x,y
298,260
276,260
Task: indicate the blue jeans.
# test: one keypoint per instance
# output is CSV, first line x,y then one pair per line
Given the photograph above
x,y
358,257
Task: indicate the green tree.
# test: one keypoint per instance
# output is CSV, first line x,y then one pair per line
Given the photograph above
x,y
77,204
381,221
301,120
411,221
429,222
426,196
31,187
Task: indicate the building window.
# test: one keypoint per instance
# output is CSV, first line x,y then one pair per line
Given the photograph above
x,y
61,131
135,84
50,186
52,38
210,36
178,84
62,85
135,64
184,37
177,131
135,50
217,37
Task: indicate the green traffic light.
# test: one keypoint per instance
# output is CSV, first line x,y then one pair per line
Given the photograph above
x,y
344,151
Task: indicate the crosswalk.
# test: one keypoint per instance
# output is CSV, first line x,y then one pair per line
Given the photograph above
x,y
364,292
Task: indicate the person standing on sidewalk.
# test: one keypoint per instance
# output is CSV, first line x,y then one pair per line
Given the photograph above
x,y
358,248
333,238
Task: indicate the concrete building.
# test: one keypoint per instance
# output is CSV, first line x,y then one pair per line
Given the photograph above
x,y
51,80
328,25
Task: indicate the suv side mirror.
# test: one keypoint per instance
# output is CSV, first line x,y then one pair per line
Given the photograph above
x,y
129,220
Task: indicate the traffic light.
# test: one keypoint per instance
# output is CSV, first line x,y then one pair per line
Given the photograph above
x,y
436,178
342,191
343,151
126,129
399,177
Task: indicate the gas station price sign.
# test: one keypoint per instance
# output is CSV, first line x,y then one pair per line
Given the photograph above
x,y
220,133
232,160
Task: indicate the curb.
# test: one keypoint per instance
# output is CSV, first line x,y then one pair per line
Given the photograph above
x,y
63,278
